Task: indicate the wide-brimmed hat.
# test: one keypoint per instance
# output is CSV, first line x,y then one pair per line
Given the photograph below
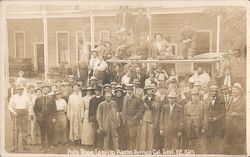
x,y
75,84
106,85
238,86
119,88
223,87
172,94
151,86
129,87
113,83
213,88
93,78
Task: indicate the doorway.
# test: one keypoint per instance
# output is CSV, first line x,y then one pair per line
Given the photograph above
x,y
39,57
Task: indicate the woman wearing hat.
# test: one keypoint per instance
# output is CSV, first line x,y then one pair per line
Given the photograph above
x,y
146,133
61,119
88,131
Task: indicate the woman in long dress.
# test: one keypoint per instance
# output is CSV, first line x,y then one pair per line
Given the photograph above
x,y
61,119
88,131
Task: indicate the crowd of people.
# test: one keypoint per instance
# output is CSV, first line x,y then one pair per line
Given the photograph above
x,y
107,106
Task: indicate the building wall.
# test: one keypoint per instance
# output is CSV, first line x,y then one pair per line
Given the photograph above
x,y
169,24
33,29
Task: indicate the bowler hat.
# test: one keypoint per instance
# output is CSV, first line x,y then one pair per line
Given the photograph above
x,y
238,86
129,87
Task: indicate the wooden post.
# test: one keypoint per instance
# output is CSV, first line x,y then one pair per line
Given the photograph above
x,y
45,38
218,34
92,31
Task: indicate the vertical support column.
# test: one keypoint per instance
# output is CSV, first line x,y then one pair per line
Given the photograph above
x,y
45,38
218,34
150,24
92,31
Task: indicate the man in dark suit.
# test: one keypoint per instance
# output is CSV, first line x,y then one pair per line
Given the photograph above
x,y
116,75
171,122
139,76
124,19
227,78
45,111
216,109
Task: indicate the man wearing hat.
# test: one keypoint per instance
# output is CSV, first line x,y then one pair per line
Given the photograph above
x,y
94,59
141,23
113,86
235,120
93,105
107,88
188,38
195,122
226,94
132,113
108,121
118,97
171,123
45,111
73,114
215,113
93,81
124,19
19,109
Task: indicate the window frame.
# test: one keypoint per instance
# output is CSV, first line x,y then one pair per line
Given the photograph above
x,y
24,45
57,50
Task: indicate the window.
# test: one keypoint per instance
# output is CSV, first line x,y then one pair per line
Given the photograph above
x,y
19,45
62,47
104,36
204,41
80,41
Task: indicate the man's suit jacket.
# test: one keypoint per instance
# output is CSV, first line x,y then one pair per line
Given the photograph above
x,y
128,21
142,79
45,108
171,125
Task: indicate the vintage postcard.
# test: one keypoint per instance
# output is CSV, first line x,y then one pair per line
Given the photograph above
x,y
124,77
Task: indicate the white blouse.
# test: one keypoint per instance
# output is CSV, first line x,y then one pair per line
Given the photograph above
x,y
61,105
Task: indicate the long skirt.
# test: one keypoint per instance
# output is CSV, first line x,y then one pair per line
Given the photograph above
x,y
35,137
146,137
61,127
88,131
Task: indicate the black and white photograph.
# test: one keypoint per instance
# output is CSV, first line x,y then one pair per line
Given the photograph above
x,y
124,77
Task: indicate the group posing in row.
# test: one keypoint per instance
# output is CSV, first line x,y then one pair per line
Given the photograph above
x,y
138,110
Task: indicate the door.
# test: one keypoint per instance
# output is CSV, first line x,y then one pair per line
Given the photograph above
x,y
40,58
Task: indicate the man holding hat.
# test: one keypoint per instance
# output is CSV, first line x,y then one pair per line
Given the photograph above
x,y
19,109
73,114
171,123
93,105
195,122
216,110
45,111
235,133
132,113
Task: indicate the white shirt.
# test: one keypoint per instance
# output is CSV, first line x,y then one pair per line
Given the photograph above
x,y
125,80
171,108
61,105
100,66
213,100
18,102
227,81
